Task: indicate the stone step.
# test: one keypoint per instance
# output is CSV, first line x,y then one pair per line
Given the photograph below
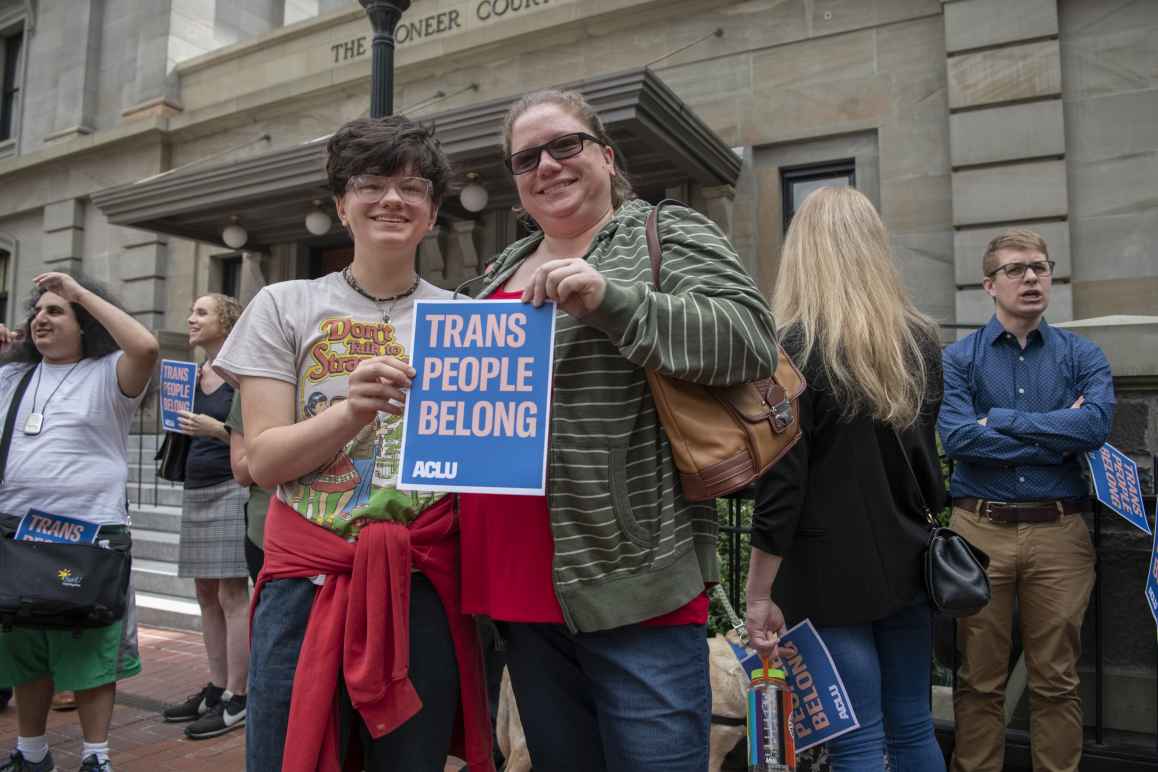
x,y
153,495
160,577
161,610
156,518
155,545
146,471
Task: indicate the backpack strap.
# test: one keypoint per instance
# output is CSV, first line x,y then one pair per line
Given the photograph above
x,y
10,420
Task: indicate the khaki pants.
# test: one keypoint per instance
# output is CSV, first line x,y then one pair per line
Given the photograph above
x,y
1049,567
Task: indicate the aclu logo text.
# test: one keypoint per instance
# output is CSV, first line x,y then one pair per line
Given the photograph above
x,y
435,470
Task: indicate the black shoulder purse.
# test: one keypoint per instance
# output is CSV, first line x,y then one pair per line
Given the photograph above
x,y
955,576
49,585
171,457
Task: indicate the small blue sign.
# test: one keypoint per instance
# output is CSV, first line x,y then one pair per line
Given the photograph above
x,y
1152,576
822,708
178,380
42,526
478,412
1117,485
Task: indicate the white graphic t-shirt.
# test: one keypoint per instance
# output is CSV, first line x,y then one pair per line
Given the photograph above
x,y
312,333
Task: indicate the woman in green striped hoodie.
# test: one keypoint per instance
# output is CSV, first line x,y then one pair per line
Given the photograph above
x,y
598,587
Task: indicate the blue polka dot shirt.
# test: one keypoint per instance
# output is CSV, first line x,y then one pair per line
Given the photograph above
x,y
1031,446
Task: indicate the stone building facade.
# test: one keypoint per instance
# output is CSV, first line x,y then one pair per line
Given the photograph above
x,y
956,118
132,133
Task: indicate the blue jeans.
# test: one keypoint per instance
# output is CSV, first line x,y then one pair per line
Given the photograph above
x,y
279,626
635,699
885,667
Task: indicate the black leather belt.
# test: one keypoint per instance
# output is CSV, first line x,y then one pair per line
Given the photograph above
x,y
1023,511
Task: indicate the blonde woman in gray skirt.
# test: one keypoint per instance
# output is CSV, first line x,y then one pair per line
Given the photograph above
x,y
213,535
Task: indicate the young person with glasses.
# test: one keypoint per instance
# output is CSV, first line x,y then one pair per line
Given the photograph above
x,y
323,368
598,587
1023,401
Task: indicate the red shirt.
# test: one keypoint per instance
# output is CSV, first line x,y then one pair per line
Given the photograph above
x,y
507,550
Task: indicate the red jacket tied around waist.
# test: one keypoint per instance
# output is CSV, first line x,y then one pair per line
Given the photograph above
x,y
359,623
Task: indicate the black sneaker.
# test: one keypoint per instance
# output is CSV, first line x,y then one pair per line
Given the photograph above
x,y
195,706
223,717
92,764
17,763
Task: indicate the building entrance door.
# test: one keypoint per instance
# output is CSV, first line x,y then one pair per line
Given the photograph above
x,y
327,260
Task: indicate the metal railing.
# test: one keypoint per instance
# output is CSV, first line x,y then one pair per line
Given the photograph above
x,y
1097,753
146,424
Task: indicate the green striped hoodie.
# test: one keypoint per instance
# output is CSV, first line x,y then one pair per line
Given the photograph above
x,y
628,545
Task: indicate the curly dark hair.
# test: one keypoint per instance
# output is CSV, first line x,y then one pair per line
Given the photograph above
x,y
385,146
95,341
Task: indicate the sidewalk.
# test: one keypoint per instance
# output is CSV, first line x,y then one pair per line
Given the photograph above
x,y
173,666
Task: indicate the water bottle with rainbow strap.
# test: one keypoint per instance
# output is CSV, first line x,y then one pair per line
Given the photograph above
x,y
771,743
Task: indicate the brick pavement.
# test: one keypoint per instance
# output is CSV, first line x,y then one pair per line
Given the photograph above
x,y
172,666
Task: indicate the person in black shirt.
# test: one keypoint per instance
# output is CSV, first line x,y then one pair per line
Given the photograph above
x,y
212,548
838,528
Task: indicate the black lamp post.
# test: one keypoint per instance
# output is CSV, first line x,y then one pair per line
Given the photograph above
x,y
384,16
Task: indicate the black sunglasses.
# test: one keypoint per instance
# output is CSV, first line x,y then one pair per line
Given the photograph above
x,y
566,146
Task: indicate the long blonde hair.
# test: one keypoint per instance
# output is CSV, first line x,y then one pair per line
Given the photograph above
x,y
839,288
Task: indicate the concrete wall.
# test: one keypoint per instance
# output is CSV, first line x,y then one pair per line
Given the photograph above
x,y
783,77
961,116
1109,61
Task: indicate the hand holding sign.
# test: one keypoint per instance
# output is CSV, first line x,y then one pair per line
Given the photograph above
x,y
572,283
376,385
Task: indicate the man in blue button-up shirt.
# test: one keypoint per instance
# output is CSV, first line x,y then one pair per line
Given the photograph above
x,y
1022,402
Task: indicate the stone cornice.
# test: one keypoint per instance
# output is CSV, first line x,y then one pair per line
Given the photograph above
x,y
637,107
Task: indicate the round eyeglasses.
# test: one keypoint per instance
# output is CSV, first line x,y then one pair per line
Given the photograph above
x,y
560,148
370,188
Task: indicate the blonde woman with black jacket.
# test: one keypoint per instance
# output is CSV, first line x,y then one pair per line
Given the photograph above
x,y
838,530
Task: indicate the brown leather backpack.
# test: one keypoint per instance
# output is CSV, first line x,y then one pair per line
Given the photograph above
x,y
724,437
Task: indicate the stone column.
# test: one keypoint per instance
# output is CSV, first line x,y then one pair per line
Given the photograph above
x,y
431,257
143,268
462,252
63,242
1006,139
77,69
252,276
719,201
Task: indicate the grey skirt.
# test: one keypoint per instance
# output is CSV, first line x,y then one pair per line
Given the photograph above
x,y
213,532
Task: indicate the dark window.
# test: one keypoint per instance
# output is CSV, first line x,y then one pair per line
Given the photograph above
x,y
796,182
10,45
230,275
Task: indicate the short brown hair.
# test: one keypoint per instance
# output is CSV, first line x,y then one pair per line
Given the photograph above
x,y
1014,238
385,146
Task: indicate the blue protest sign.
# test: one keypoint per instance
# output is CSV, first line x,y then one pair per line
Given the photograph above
x,y
478,412
42,526
178,379
1116,484
1152,576
822,709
